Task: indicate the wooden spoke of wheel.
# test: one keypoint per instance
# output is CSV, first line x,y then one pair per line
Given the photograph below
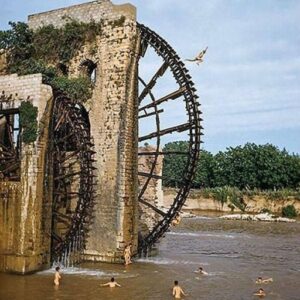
x,y
171,96
164,153
151,114
157,210
178,128
160,72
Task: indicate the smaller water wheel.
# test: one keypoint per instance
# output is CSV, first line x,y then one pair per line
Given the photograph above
x,y
73,179
9,141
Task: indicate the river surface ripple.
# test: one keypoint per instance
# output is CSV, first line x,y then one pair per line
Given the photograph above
x,y
234,253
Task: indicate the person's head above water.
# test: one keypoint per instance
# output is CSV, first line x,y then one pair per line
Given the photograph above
x,y
200,268
57,269
176,282
112,279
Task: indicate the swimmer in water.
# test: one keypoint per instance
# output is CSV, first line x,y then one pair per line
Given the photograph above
x,y
260,280
260,293
177,291
112,283
127,255
57,276
201,271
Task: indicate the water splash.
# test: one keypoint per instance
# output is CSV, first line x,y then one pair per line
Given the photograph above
x,y
77,271
170,262
229,236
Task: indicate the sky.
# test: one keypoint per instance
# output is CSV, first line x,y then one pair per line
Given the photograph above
x,y
249,82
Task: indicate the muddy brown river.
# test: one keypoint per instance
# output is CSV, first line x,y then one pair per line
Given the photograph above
x,y
233,253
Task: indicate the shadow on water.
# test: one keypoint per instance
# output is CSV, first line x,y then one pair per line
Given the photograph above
x,y
233,253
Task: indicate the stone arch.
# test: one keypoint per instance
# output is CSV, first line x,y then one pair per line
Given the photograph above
x,y
88,69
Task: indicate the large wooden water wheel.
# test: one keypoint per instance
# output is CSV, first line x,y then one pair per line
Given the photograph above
x,y
170,71
73,179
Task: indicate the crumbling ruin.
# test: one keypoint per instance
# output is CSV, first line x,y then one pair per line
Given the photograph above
x,y
74,183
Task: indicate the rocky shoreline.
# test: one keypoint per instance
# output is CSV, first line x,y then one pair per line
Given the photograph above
x,y
265,217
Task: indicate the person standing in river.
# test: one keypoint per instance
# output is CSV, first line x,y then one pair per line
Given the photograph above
x,y
177,291
57,276
127,255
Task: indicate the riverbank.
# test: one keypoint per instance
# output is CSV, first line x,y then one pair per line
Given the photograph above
x,y
251,203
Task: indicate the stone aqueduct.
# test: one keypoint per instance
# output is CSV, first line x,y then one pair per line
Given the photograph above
x,y
84,189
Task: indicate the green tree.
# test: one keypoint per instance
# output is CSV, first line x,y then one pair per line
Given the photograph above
x,y
18,42
205,172
257,166
174,165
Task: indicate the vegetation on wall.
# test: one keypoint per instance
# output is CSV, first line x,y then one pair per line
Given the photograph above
x,y
62,44
248,167
39,52
76,88
231,196
117,22
236,198
28,122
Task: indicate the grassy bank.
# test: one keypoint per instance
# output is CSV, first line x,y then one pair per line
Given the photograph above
x,y
236,199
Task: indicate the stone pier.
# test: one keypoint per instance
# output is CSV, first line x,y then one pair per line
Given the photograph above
x,y
25,205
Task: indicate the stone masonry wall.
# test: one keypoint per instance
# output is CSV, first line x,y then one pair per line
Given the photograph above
x,y
113,118
3,63
24,209
153,193
96,10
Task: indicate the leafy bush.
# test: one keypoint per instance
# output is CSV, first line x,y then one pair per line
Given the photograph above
x,y
78,89
28,122
229,194
18,42
289,211
62,44
220,194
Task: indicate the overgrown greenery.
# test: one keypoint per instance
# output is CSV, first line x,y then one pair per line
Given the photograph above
x,y
289,211
75,88
117,22
231,196
248,167
39,52
28,122
62,44
174,165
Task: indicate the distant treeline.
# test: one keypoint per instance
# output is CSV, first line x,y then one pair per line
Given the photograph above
x,y
250,166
